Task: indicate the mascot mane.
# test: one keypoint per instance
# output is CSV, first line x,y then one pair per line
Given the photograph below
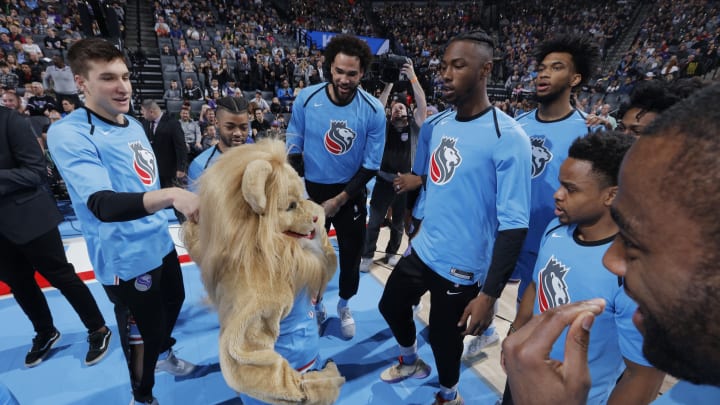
x,y
245,198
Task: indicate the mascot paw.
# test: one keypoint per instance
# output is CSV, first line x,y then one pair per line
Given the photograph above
x,y
323,386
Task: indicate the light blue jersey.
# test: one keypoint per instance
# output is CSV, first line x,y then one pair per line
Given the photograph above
x,y
298,342
198,165
94,154
550,142
569,270
478,183
336,140
685,393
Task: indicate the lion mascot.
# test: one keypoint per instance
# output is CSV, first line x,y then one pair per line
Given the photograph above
x,y
264,254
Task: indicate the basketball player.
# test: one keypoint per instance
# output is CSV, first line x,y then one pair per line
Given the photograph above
x,y
564,63
475,161
337,133
233,125
569,269
112,178
666,251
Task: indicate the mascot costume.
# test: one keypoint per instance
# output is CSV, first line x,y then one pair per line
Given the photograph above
x,y
264,255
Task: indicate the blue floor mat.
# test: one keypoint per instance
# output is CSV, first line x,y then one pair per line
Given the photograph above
x,y
63,378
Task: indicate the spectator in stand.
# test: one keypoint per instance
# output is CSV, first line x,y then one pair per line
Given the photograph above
x,y
53,41
60,79
214,86
40,103
259,124
275,106
191,131
173,93
230,89
207,118
161,27
11,100
8,79
68,106
29,47
260,102
191,91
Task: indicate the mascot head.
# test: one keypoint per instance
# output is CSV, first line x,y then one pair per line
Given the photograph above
x,y
256,229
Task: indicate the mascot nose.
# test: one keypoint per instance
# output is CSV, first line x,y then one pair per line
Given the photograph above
x,y
315,218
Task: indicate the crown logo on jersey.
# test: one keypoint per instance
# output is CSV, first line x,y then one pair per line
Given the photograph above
x,y
541,155
339,138
444,160
143,163
552,290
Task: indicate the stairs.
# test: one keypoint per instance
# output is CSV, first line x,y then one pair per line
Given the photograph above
x,y
141,43
616,53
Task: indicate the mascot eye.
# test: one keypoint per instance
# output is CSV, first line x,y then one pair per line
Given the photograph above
x,y
292,206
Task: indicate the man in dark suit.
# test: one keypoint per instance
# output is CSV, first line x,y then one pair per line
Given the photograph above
x,y
30,240
168,142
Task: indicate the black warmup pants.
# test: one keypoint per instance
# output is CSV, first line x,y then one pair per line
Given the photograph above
x,y
154,302
410,279
349,225
46,254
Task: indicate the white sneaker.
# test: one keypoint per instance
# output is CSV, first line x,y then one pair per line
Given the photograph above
x,y
347,323
392,260
175,366
475,346
365,264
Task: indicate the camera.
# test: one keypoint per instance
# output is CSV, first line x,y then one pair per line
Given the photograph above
x,y
387,67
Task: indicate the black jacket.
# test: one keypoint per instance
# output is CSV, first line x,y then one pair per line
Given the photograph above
x,y
28,209
168,143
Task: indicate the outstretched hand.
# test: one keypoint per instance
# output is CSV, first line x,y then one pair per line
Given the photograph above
x,y
533,377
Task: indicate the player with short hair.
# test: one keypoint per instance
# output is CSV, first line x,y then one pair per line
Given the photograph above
x,y
475,162
233,129
109,167
569,269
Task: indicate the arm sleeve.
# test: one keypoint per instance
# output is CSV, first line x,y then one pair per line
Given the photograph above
x,y
513,164
505,254
109,206
29,170
358,181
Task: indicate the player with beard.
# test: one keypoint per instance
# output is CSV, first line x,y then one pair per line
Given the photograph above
x,y
400,144
569,269
335,139
564,63
475,164
233,129
666,250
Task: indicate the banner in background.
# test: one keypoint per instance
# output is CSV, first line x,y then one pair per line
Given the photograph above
x,y
378,46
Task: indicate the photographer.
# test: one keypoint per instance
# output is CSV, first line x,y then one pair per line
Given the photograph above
x,y
401,136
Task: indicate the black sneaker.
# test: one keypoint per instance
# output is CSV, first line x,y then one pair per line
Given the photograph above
x,y
41,347
99,342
